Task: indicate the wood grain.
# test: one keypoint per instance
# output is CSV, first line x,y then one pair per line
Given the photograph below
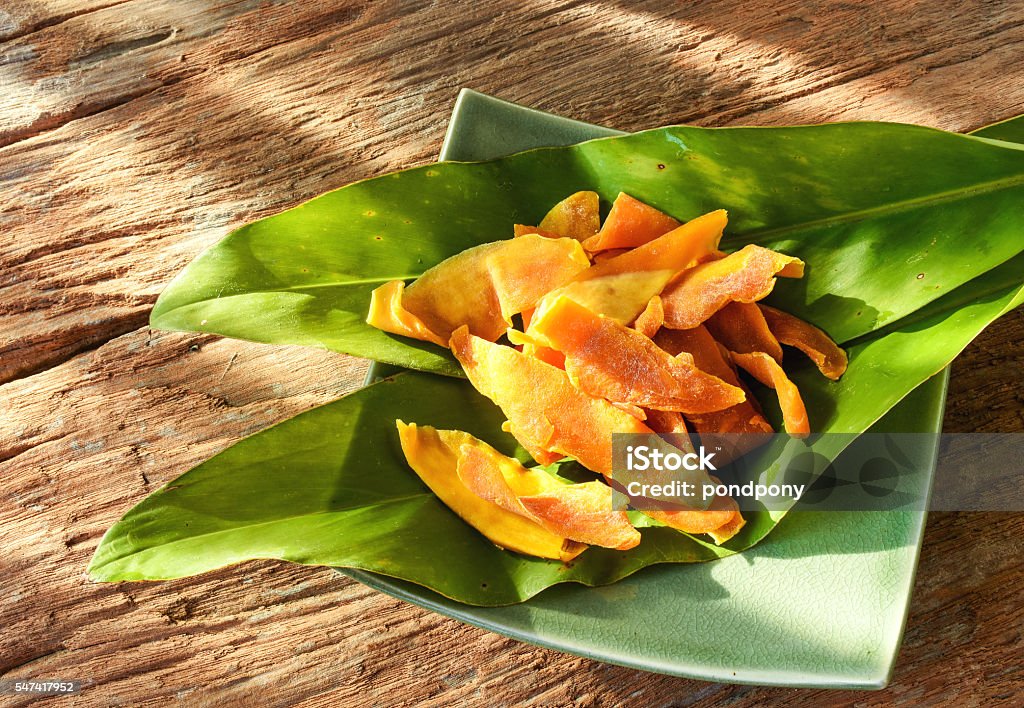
x,y
133,134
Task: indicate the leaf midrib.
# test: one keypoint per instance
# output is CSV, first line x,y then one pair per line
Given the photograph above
x,y
247,526
889,208
768,234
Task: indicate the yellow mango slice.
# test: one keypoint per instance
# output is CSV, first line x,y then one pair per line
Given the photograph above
x,y
482,287
433,455
549,416
818,346
577,216
581,512
386,313
744,276
619,296
630,223
693,242
607,359
456,292
766,370
741,327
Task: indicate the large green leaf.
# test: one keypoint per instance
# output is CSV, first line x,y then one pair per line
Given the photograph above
x,y
331,487
888,216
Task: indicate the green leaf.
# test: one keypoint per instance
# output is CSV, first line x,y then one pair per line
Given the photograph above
x,y
1010,130
331,486
889,217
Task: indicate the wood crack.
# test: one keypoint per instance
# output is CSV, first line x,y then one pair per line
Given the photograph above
x,y
48,122
85,343
29,29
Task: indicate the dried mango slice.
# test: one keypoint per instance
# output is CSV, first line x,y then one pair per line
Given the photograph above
x,y
527,268
577,216
532,347
549,416
482,287
766,370
499,478
608,255
545,354
740,418
630,223
386,313
433,455
619,296
580,512
650,320
584,513
693,242
722,520
742,328
744,276
788,329
666,422
605,358
528,346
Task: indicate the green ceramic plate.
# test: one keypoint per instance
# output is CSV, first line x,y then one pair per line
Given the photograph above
x,y
821,602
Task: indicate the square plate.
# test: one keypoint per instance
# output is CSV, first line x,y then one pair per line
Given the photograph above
x,y
822,601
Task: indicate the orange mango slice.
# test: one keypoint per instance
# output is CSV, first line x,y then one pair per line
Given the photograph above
x,y
744,276
527,268
549,416
584,513
741,327
766,370
577,216
580,512
605,358
433,454
482,287
630,223
666,422
693,242
722,520
793,331
386,313
743,417
545,354
608,255
650,320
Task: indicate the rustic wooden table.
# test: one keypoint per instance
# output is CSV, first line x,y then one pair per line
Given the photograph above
x,y
135,133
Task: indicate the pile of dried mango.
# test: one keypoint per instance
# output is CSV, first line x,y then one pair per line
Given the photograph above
x,y
637,325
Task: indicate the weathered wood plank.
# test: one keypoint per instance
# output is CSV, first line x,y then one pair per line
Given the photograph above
x,y
240,112
129,151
